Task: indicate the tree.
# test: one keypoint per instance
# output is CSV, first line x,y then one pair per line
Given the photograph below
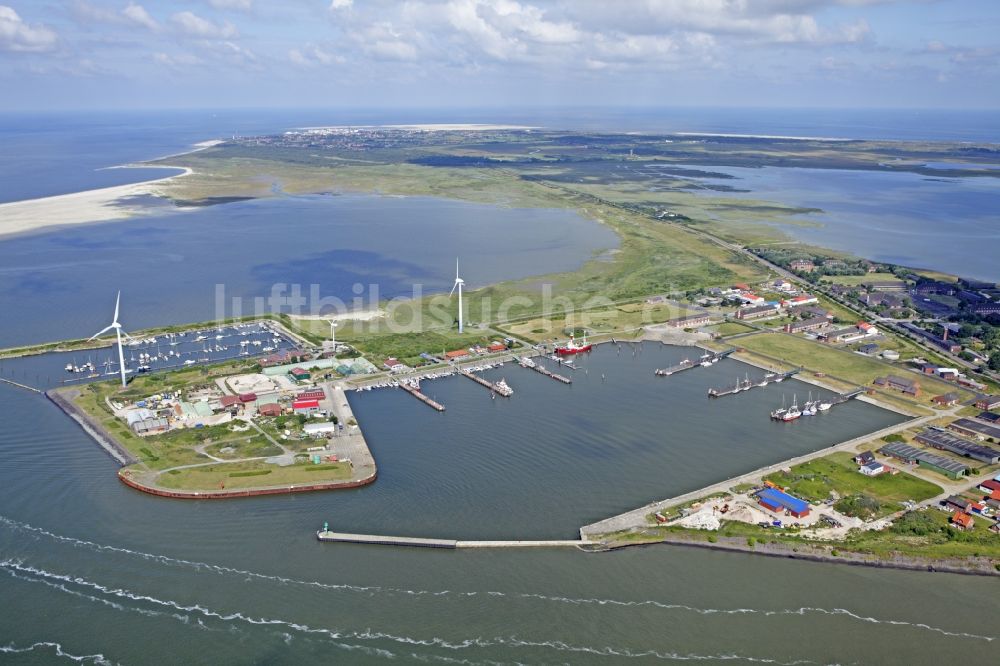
x,y
994,361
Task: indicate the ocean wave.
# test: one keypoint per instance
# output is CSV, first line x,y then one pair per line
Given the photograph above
x,y
60,581
224,570
57,650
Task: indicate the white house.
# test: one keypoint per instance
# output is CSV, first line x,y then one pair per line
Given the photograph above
x,y
872,469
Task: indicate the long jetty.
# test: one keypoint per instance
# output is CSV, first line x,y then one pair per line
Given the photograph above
x,y
421,397
541,369
687,364
485,382
746,385
20,385
449,544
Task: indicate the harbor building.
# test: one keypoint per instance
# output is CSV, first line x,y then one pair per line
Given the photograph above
x,y
911,454
778,501
940,438
974,428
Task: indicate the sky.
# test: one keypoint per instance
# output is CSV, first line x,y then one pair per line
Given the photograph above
x,y
74,54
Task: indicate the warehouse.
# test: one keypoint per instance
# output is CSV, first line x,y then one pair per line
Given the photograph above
x,y
976,429
779,502
319,429
944,440
911,454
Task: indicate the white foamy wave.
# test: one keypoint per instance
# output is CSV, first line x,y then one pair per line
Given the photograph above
x,y
224,570
57,650
758,611
338,636
47,576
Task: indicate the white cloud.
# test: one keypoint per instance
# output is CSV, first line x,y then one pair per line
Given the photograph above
x,y
336,5
16,35
139,16
383,41
239,5
192,25
131,15
310,55
176,60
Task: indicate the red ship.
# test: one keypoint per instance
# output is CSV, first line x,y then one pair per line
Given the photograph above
x,y
573,348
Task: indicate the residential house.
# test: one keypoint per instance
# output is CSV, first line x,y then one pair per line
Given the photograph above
x,y
946,400
802,265
901,384
962,520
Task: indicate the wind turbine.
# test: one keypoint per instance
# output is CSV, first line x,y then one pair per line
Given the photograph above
x,y
458,285
333,334
118,334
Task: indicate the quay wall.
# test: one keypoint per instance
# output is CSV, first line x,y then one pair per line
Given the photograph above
x,y
982,566
125,477
95,430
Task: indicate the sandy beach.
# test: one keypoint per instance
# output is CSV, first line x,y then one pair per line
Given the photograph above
x,y
100,205
427,127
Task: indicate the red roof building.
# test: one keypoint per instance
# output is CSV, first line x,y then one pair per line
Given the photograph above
x,y
989,486
962,520
229,400
497,347
301,406
270,409
311,394
458,353
247,397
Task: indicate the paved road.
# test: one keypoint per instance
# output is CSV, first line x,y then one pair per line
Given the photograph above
x,y
637,517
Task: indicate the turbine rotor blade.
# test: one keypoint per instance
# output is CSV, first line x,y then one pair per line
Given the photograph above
x,y
100,332
118,300
453,287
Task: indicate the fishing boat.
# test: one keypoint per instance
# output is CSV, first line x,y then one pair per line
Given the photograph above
x,y
503,388
572,347
792,412
823,406
778,413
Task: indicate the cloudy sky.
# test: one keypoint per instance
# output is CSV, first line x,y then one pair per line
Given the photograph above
x,y
470,53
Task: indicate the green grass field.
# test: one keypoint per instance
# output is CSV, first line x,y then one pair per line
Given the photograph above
x,y
820,357
251,474
817,479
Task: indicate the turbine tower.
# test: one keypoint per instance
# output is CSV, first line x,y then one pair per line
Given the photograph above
x,y
333,334
118,334
458,285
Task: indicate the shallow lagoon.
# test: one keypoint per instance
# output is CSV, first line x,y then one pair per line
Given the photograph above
x,y
168,265
949,224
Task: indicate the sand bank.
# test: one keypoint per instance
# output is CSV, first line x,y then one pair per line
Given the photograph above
x,y
106,203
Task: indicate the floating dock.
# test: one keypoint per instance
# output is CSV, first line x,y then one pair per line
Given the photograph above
x,y
687,364
528,363
747,384
415,392
499,388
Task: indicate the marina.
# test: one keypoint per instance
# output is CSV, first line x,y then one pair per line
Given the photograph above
x,y
168,351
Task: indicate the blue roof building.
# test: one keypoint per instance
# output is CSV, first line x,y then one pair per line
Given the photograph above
x,y
776,500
